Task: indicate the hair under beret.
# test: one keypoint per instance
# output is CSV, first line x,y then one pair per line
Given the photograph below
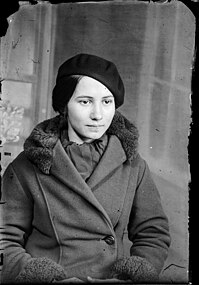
x,y
89,65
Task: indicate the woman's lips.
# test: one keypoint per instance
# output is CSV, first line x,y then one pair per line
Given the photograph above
x,y
95,128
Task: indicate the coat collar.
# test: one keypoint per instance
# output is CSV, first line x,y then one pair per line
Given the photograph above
x,y
39,146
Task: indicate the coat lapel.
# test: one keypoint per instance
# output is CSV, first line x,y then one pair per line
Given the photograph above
x,y
107,164
64,170
109,181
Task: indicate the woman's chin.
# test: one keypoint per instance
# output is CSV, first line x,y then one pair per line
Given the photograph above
x,y
92,137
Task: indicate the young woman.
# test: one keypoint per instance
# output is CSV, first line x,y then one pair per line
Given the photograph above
x,y
79,186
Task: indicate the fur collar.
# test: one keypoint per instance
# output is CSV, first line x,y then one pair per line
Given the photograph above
x,y
38,147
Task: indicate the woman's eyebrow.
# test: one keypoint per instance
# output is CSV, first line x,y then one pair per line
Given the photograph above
x,y
108,96
84,96
90,97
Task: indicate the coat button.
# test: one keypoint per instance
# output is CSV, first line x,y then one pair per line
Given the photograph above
x,y
109,240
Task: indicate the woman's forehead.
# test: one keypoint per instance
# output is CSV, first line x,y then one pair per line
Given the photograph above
x,y
91,87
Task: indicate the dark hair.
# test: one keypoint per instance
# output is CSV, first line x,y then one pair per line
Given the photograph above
x,y
66,85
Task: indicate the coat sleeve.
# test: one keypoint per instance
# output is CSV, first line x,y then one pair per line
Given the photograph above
x,y
16,219
148,227
17,216
148,231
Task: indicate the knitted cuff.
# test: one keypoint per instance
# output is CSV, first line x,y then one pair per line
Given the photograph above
x,y
135,268
39,270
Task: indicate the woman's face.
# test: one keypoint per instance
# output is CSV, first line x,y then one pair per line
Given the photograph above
x,y
90,110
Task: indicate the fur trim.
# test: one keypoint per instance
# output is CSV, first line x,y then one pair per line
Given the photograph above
x,y
136,269
38,147
39,270
126,132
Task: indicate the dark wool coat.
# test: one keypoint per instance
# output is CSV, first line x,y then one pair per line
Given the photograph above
x,y
58,226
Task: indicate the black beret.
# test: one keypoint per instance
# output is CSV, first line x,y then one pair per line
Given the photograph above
x,y
93,66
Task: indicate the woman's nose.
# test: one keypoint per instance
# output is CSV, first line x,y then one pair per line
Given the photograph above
x,y
96,112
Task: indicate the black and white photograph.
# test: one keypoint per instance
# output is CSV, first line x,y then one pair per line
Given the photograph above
x,y
96,116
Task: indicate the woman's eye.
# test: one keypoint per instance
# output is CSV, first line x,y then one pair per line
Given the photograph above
x,y
107,101
84,102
